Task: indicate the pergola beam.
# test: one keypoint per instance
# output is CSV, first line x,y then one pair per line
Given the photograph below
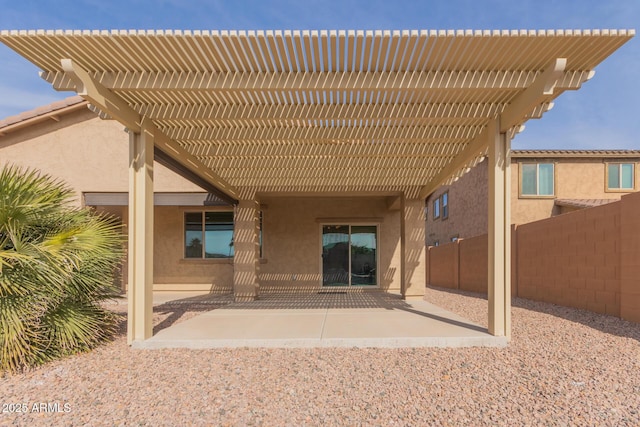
x,y
539,91
116,107
464,158
390,80
315,133
262,112
514,114
286,112
98,95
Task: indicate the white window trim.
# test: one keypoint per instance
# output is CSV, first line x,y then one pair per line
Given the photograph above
x,y
620,189
537,195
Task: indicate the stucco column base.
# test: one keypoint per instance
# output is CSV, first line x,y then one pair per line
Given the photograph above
x,y
246,245
413,248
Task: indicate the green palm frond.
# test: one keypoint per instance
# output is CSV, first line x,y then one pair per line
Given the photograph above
x,y
56,263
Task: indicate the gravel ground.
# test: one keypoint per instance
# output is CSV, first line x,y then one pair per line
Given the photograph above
x,y
563,367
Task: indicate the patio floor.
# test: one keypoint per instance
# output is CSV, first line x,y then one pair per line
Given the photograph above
x,y
336,319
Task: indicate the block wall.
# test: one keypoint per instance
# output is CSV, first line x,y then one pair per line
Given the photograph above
x,y
473,256
572,260
444,260
587,259
630,258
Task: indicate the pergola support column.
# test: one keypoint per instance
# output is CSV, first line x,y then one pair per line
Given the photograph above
x,y
246,246
140,263
413,248
499,292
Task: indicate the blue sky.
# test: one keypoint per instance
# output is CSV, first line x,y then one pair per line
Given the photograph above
x,y
604,114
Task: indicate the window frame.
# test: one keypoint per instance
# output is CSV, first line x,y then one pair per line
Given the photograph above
x,y
444,207
203,213
537,195
436,208
620,189
351,222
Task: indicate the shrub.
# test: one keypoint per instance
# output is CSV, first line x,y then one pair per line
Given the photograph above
x,y
57,264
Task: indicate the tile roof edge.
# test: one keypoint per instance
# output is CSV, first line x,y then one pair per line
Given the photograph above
x,y
42,111
575,153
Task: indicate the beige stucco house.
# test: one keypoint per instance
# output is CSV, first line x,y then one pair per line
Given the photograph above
x,y
544,183
323,145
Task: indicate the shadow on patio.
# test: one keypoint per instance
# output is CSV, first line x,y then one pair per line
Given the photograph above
x,y
319,319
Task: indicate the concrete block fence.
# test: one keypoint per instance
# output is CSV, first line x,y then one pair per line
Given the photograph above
x,y
588,259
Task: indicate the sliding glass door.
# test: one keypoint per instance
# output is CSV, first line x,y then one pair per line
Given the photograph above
x,y
349,255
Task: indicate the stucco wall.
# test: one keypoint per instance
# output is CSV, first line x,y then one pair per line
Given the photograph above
x,y
291,245
574,179
468,206
292,239
89,154
171,271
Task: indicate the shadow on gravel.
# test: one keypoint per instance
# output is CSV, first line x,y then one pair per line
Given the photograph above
x,y
601,322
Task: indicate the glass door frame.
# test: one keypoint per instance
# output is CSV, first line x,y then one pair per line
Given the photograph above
x,y
350,224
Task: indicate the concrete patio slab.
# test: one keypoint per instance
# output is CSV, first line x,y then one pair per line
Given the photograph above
x,y
354,319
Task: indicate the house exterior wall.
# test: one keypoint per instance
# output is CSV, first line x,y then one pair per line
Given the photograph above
x,y
468,208
89,154
575,178
292,228
171,270
291,239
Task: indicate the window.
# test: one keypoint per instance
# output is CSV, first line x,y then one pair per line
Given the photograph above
x,y
349,255
208,234
620,176
436,208
536,179
445,205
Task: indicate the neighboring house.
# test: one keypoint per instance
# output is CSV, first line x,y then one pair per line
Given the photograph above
x,y
544,183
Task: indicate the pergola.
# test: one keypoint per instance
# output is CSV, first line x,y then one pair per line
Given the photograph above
x,y
383,113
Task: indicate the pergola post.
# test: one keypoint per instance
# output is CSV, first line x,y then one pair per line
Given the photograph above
x,y
140,263
413,249
499,292
246,248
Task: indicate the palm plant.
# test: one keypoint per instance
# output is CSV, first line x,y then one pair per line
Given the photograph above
x,y
57,264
